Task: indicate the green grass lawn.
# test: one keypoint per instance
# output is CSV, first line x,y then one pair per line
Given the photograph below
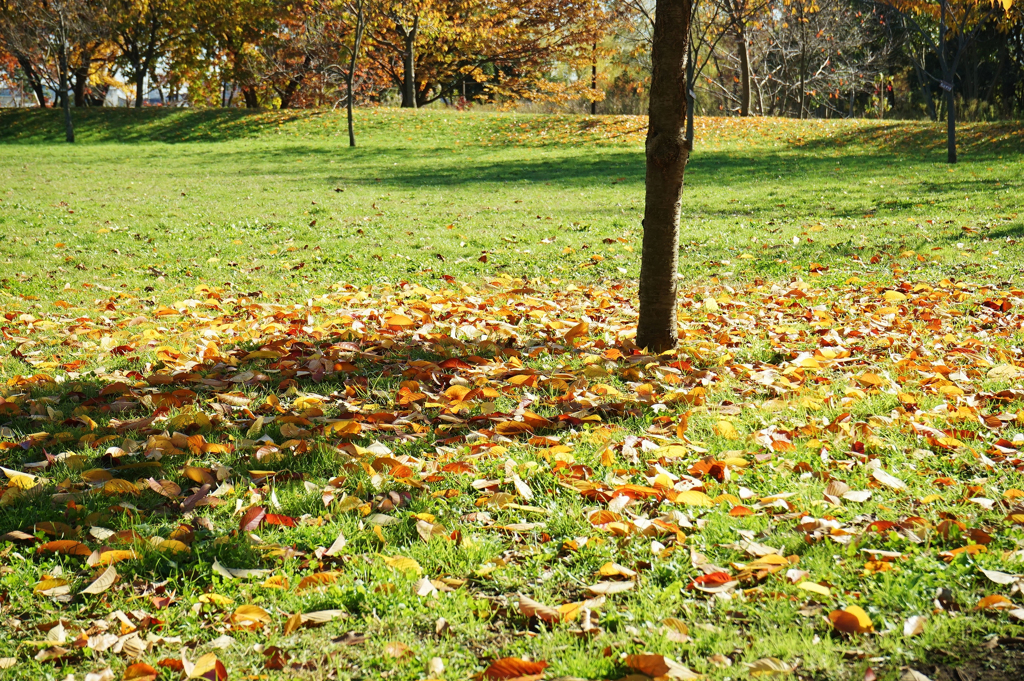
x,y
424,345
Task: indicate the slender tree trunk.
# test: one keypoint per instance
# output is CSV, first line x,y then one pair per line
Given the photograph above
x,y
81,81
691,76
140,84
948,75
667,153
350,76
803,67
33,79
593,79
409,67
950,125
65,101
926,90
744,53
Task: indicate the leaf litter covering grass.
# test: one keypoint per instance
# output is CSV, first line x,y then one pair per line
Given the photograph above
x,y
495,481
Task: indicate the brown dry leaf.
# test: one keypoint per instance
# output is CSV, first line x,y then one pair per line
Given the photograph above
x,y
513,428
514,668
398,650
65,546
659,667
317,580
531,608
140,671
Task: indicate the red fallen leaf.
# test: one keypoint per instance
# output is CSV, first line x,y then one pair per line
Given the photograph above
x,y
171,663
252,519
275,658
276,519
514,668
455,363
140,671
711,579
881,525
66,546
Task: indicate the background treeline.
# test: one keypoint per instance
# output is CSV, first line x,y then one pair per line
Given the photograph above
x,y
805,58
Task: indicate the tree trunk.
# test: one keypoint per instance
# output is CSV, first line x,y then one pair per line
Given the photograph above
x,y
140,84
691,76
65,101
926,91
950,125
351,75
744,49
667,153
251,100
81,81
34,81
409,67
593,80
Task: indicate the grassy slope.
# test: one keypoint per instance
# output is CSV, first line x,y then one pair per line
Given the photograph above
x,y
253,183
215,197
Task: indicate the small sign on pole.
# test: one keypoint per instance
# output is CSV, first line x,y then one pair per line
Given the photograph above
x,y
947,86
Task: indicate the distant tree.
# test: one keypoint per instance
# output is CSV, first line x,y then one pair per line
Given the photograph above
x,y
739,15
24,48
948,28
57,27
143,32
817,55
667,153
234,32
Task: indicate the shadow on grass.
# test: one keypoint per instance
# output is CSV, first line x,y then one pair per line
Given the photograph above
x,y
166,438
171,125
975,141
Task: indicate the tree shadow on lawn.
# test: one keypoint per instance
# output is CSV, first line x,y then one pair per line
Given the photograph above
x,y
927,140
151,124
413,167
363,385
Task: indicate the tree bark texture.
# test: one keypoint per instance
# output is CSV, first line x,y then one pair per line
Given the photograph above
x,y
65,101
351,75
667,153
34,80
744,48
251,98
409,66
950,125
691,78
140,85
